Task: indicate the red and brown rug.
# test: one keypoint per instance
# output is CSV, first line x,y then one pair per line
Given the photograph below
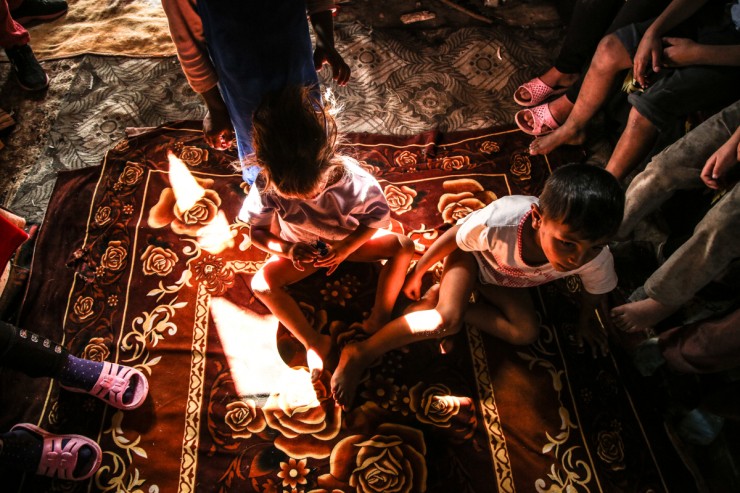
x,y
120,274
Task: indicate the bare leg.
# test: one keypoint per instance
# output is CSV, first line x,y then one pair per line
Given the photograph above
x,y
633,145
398,251
611,57
641,315
446,318
268,284
506,313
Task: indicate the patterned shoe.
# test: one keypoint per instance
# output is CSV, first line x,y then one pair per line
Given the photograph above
x,y
538,92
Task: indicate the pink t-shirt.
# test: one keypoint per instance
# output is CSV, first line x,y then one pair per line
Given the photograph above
x,y
493,235
356,198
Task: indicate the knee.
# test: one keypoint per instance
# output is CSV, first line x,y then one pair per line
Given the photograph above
x,y
607,54
261,286
449,326
405,245
525,331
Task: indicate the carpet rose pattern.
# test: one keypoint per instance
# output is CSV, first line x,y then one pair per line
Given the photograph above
x,y
231,407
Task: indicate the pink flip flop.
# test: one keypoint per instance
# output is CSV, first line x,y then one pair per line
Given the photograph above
x,y
112,383
59,461
543,121
539,92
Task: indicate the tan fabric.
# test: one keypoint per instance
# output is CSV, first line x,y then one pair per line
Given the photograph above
x,y
136,28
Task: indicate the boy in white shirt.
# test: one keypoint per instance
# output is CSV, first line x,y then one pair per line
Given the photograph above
x,y
514,242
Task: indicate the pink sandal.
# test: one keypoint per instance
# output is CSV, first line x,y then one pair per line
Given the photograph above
x,y
542,118
59,461
113,382
539,92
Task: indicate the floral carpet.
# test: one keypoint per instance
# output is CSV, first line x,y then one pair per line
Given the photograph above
x,y
120,273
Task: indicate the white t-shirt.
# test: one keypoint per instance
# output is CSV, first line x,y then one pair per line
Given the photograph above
x,y
494,236
356,198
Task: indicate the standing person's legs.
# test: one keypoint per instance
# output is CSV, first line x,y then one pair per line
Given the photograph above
x,y
256,47
11,32
677,167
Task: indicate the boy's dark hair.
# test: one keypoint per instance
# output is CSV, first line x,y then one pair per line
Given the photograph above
x,y
586,198
294,138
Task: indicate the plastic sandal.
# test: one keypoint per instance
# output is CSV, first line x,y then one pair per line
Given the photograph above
x,y
539,92
543,121
59,461
113,382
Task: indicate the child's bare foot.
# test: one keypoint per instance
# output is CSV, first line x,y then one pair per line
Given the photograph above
x,y
640,315
566,134
318,356
346,377
374,323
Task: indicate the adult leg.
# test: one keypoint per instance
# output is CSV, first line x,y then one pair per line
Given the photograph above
x,y
703,347
610,59
707,253
678,93
397,250
637,138
677,167
587,24
11,32
269,284
458,280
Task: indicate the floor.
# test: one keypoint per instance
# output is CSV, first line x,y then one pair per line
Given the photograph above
x,y
28,141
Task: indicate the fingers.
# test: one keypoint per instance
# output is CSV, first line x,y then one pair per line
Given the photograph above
x,y
709,174
340,72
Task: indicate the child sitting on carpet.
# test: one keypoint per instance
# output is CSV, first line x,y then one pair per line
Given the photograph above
x,y
515,242
326,207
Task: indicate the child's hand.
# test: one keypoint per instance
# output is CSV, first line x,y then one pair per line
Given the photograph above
x,y
412,287
720,163
302,253
680,52
593,335
335,255
217,130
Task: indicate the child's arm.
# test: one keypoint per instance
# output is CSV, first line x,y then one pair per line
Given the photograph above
x,y
591,323
340,250
721,162
441,248
299,253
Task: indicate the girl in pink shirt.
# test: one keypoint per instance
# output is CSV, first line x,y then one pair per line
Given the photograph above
x,y
312,208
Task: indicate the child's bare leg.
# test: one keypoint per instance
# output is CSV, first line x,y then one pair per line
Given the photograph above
x,y
633,145
268,284
611,57
398,251
506,313
641,315
446,318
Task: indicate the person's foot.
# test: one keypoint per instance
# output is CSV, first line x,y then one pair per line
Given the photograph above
x,y
121,386
26,68
39,11
33,449
565,135
347,376
640,315
553,78
319,356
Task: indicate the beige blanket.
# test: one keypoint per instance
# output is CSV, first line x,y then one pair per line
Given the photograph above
x,y
136,28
